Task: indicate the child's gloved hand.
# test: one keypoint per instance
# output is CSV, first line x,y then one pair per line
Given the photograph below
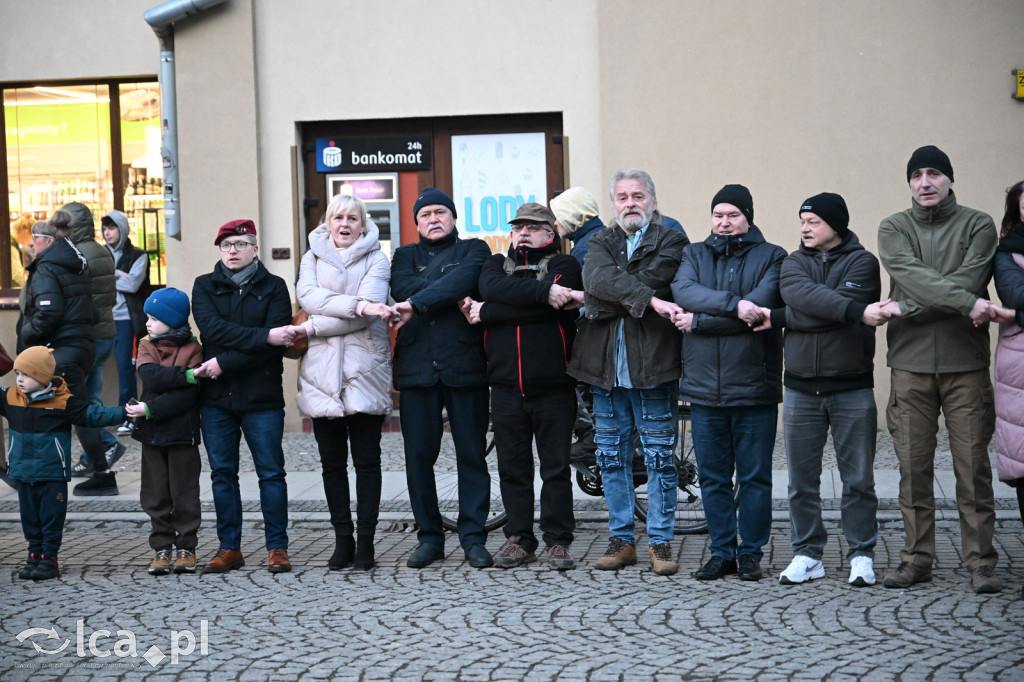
x,y
136,410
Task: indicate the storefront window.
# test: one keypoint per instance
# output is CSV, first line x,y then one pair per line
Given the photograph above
x,y
62,146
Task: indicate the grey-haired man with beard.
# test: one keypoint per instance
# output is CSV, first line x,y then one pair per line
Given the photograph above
x,y
627,349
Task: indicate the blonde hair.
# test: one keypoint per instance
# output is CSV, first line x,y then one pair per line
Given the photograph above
x,y
345,202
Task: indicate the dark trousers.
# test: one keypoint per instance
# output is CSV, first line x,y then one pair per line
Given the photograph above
x,y
518,420
169,494
73,364
332,438
44,506
422,428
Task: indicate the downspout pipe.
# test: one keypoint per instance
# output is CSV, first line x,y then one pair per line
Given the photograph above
x,y
162,19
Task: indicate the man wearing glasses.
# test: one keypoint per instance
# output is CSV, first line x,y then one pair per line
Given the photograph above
x,y
243,314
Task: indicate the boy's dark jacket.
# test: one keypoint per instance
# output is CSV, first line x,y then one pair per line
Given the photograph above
x,y
40,447
172,401
528,342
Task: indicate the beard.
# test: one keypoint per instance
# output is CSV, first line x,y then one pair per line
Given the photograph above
x,y
633,219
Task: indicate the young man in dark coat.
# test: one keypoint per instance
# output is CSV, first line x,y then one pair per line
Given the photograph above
x,y
439,364
529,314
732,377
243,314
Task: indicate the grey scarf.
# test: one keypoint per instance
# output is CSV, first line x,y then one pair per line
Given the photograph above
x,y
242,277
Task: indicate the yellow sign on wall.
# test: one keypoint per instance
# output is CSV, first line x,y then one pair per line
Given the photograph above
x,y
1019,75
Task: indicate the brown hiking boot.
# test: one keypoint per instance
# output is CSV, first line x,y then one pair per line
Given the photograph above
x,y
984,580
662,561
907,574
161,564
184,561
619,553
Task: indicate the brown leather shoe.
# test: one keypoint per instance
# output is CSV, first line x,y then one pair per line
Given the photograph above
x,y
278,561
224,560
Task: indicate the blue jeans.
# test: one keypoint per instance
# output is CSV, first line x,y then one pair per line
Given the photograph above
x,y
806,421
94,388
653,411
124,351
222,432
738,440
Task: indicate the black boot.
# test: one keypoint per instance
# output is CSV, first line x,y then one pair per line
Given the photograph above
x,y
47,569
344,547
364,553
101,483
26,572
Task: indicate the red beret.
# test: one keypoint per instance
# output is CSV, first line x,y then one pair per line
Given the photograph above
x,y
235,227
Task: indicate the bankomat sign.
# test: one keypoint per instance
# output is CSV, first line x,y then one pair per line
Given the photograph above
x,y
358,154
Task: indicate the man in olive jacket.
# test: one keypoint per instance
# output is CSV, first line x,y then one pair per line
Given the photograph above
x,y
939,257
243,313
439,364
627,349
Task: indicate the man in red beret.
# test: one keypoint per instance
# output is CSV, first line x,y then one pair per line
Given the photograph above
x,y
243,314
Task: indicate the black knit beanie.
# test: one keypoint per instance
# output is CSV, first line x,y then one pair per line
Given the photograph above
x,y
832,209
431,196
738,196
930,157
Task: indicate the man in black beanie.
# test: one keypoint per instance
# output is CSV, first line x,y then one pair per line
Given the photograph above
x,y
732,378
939,257
831,287
440,364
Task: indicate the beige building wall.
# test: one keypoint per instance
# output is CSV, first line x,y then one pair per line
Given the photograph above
x,y
790,98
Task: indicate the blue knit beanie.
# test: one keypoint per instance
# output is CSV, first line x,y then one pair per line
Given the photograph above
x,y
169,305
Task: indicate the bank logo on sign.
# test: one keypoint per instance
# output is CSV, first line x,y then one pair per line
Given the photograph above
x,y
332,155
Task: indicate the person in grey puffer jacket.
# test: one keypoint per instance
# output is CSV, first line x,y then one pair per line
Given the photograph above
x,y
345,375
732,376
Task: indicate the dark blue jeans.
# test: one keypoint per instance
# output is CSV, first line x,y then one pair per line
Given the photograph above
x,y
222,434
740,440
94,386
124,352
43,506
422,428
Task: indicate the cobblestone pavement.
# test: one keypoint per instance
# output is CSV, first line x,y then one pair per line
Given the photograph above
x,y
450,621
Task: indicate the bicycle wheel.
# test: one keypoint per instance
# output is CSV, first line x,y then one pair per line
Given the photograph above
x,y
689,516
447,481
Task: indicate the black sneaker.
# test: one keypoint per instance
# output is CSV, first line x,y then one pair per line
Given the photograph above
x,y
126,428
114,453
715,569
749,567
82,470
100,484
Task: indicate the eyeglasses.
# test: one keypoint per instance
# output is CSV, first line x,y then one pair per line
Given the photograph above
x,y
237,246
43,236
530,227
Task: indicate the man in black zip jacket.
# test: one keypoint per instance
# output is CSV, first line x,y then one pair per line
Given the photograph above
x,y
529,319
831,287
439,364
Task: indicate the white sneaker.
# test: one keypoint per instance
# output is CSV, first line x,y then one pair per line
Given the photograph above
x,y
801,569
862,571
125,429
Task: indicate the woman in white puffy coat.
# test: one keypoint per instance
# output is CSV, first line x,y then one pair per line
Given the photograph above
x,y
345,376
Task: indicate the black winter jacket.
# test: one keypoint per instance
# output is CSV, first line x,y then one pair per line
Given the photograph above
x,y
528,343
102,281
438,344
136,301
234,325
1009,277
57,306
827,347
619,288
725,363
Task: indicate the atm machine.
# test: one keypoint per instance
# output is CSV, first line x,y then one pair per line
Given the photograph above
x,y
379,191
